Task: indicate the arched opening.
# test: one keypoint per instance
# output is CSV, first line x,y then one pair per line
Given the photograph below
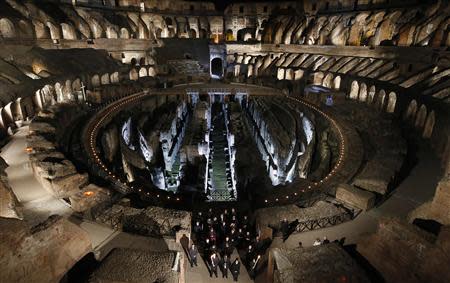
x,y
216,68
114,78
371,95
192,33
68,32
143,72
363,92
105,79
134,76
327,81
392,100
421,116
124,33
168,21
133,62
289,75
411,111
203,33
429,125
354,90
151,72
317,78
337,82
7,29
95,81
229,35
142,62
280,74
381,98
158,33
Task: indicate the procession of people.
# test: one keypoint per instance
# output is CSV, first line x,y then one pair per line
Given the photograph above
x,y
218,234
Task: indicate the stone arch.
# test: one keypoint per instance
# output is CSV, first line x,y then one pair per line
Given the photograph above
x,y
7,29
217,67
158,32
41,30
104,79
16,110
38,100
6,116
95,80
318,78
392,100
429,125
289,75
143,72
76,85
67,91
327,81
381,98
134,75
363,92
203,33
142,61
371,95
111,32
124,33
229,36
68,31
55,32
337,82
26,30
354,90
410,113
114,78
280,74
421,116
151,72
59,92
192,33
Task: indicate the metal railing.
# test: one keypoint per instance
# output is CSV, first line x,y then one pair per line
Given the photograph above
x,y
324,222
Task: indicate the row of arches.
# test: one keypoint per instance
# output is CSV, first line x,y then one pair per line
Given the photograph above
x,y
136,73
89,27
370,96
420,117
105,79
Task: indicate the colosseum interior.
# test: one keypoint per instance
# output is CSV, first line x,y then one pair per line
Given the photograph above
x,y
192,141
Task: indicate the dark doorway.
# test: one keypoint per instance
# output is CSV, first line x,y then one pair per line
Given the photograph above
x,y
216,68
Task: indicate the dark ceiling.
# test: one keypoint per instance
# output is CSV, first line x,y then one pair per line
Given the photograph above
x,y
221,4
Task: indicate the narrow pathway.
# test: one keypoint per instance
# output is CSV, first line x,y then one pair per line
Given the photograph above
x,y
200,273
417,188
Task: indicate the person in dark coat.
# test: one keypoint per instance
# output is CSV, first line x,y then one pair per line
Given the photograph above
x,y
235,269
214,263
193,253
225,266
284,228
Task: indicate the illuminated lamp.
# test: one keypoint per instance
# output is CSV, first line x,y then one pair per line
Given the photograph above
x,y
88,193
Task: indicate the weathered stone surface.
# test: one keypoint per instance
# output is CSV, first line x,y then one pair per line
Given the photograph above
x,y
324,263
355,197
151,221
439,208
69,185
41,128
41,254
402,252
272,216
127,265
89,197
39,143
51,168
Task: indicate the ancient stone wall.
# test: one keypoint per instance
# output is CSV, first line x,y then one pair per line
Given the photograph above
x,y
41,254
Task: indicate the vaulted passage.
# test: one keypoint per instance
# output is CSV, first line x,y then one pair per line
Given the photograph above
x,y
216,68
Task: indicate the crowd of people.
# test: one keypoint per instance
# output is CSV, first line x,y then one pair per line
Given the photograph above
x,y
218,234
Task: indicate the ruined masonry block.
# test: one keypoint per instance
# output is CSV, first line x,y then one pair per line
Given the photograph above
x,y
355,197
